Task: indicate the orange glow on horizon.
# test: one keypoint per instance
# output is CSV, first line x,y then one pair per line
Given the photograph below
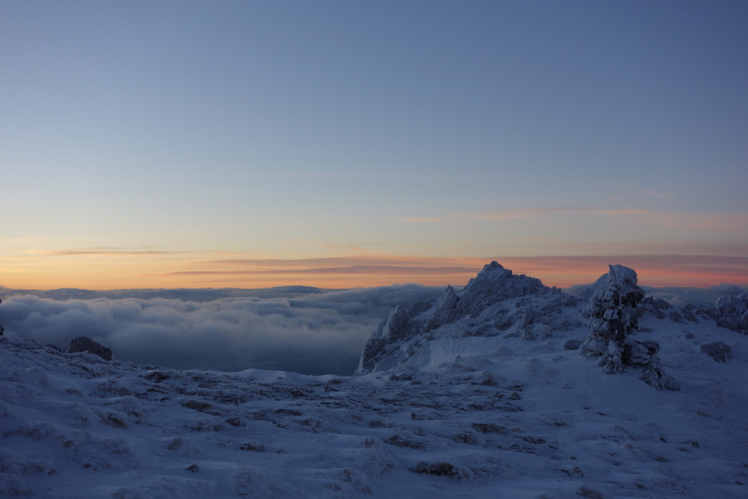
x,y
100,270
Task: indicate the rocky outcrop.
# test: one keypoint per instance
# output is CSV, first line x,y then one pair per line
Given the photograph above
x,y
718,350
86,344
396,327
447,309
731,312
534,312
612,309
612,313
495,283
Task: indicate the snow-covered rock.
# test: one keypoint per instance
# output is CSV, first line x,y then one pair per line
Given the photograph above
x,y
612,316
731,312
613,313
494,302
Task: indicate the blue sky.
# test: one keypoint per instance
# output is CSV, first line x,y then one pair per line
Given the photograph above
x,y
415,130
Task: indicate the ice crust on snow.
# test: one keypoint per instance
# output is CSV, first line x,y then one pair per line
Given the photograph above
x,y
472,395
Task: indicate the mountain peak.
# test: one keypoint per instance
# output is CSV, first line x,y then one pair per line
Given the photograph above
x,y
495,297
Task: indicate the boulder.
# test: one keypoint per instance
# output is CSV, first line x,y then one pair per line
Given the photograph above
x,y
86,344
718,350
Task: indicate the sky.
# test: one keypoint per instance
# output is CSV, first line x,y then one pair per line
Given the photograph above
x,y
341,144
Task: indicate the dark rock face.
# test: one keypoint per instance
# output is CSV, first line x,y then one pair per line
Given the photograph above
x,y
439,469
718,350
572,344
398,324
656,306
85,344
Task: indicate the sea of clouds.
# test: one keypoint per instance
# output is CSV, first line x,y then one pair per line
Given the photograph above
x,y
296,329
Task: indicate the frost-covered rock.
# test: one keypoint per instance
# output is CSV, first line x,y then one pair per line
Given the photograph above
x,y
613,312
612,308
86,344
495,283
612,315
643,355
493,303
396,327
731,312
446,309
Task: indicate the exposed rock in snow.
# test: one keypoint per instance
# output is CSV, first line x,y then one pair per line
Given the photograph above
x,y
718,350
86,344
731,312
446,309
612,309
495,283
613,312
496,302
612,316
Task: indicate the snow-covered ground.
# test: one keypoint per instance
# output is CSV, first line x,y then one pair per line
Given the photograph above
x,y
487,402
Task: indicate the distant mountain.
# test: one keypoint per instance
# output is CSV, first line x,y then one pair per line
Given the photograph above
x,y
505,388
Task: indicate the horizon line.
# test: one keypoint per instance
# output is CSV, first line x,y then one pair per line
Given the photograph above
x,y
346,272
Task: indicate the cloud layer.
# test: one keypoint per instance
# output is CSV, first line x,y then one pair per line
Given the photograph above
x,y
292,329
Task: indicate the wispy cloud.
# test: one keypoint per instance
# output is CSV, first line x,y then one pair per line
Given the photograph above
x,y
660,195
523,212
105,251
543,212
338,261
423,220
348,270
623,212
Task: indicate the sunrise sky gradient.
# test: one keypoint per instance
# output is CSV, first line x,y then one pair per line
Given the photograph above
x,y
338,144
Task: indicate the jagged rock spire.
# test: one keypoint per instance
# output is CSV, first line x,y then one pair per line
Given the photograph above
x,y
612,315
612,308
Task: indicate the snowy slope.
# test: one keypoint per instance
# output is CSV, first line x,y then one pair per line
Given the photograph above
x,y
475,395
